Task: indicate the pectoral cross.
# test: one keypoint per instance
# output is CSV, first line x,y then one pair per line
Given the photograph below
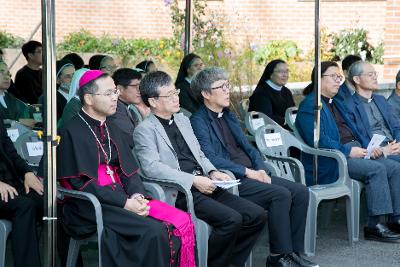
x,y
110,173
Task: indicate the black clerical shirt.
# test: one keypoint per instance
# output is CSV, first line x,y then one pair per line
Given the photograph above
x,y
187,162
236,153
345,132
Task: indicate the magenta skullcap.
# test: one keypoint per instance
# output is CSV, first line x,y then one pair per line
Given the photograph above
x,y
89,76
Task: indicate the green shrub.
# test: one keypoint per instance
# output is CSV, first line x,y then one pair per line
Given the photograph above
x,y
278,49
7,40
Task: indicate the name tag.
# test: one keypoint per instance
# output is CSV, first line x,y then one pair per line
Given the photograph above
x,y
13,134
34,148
273,139
257,123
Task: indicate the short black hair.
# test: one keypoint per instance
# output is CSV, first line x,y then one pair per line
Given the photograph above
x,y
75,59
30,47
144,65
124,76
150,85
348,60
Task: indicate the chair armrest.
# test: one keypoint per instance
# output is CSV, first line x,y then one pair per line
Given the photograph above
x,y
88,197
272,168
294,164
155,191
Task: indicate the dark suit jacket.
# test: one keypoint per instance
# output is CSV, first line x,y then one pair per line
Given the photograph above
x,y
124,119
343,93
187,98
329,138
10,159
271,102
359,117
213,146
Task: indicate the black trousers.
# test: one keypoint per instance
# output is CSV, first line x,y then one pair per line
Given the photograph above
x,y
24,211
236,224
287,205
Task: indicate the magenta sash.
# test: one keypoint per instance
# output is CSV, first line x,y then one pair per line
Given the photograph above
x,y
184,228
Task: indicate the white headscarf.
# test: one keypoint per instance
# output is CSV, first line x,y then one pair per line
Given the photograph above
x,y
75,83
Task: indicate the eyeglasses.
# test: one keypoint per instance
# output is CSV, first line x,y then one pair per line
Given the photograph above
x,y
335,77
136,86
372,74
109,93
172,94
224,87
281,72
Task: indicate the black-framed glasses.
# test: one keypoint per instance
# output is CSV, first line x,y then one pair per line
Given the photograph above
x,y
110,68
172,94
335,77
108,93
225,87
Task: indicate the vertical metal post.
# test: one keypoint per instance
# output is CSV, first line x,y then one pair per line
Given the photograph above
x,y
49,89
188,26
317,89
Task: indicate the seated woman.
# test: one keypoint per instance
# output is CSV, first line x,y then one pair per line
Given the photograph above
x,y
93,157
271,97
104,63
147,66
10,107
188,99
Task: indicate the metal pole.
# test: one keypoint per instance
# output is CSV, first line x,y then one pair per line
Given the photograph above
x,y
29,38
49,90
188,26
317,90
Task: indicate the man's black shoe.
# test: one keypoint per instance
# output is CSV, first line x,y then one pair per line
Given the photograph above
x,y
285,261
381,233
394,227
302,261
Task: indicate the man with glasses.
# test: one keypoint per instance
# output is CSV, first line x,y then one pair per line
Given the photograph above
x,y
224,143
93,157
127,116
370,112
347,89
168,149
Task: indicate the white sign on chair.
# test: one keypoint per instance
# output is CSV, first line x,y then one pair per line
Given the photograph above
x,y
273,139
35,148
13,134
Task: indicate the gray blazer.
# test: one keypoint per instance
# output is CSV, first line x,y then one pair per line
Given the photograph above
x,y
156,155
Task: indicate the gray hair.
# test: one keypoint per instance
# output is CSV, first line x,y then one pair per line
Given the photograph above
x,y
398,77
150,85
204,79
356,69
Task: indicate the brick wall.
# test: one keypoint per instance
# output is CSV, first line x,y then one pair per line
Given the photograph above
x,y
392,38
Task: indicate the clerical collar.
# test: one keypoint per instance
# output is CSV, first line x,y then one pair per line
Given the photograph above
x,y
92,121
364,99
327,99
274,86
188,80
165,122
216,115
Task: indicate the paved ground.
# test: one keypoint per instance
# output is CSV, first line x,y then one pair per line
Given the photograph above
x,y
333,249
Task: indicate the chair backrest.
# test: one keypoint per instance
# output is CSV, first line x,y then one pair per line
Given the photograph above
x,y
185,112
15,129
273,140
244,107
30,148
290,118
254,120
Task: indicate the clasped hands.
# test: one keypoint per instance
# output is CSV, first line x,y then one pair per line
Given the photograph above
x,y
138,204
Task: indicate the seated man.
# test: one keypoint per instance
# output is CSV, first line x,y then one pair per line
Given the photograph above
x,y
127,82
394,98
370,112
347,89
380,176
28,80
224,143
168,149
92,157
10,107
21,202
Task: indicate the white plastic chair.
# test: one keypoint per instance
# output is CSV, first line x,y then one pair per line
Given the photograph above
x,y
357,186
31,154
275,147
5,229
152,189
